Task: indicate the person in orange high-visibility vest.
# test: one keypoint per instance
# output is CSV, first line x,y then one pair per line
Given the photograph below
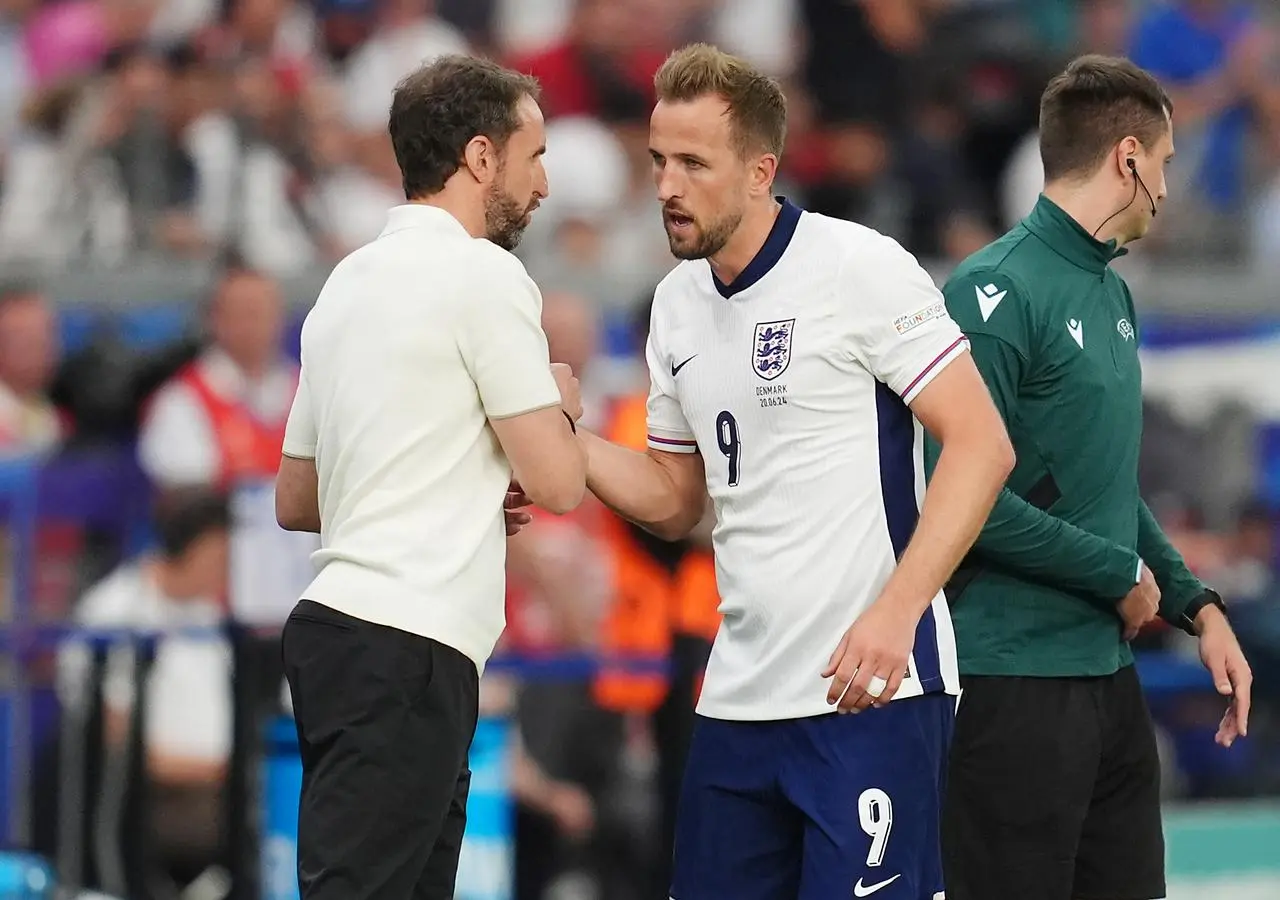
x,y
665,606
219,421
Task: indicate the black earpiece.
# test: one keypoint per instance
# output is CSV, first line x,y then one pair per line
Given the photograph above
x,y
1137,182
1133,167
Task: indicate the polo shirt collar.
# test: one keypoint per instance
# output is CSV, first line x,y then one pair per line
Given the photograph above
x,y
421,215
1065,236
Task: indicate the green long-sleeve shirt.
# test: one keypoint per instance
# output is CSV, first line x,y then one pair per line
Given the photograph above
x,y
1052,329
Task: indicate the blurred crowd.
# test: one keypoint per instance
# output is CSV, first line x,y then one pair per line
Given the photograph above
x,y
250,134
189,128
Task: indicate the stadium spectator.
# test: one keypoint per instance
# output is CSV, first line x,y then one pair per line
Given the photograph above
x,y
1216,59
596,236
604,64
15,79
1101,26
138,161
187,696
29,353
313,189
284,32
222,417
1248,574
407,35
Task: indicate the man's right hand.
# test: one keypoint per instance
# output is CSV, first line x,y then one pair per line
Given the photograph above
x,y
570,390
1141,604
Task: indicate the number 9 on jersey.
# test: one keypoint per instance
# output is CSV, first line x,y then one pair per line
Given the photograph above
x,y
730,445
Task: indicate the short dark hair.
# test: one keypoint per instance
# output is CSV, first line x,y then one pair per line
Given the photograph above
x,y
1094,104
438,109
757,105
184,515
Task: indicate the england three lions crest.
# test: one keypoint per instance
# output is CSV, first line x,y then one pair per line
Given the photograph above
x,y
772,352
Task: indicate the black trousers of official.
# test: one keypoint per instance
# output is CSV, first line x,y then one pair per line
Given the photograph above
x,y
1053,791
385,722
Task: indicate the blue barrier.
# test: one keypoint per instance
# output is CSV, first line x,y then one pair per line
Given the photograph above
x,y
281,787
486,866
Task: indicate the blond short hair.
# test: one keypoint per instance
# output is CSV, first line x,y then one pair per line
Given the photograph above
x,y
757,106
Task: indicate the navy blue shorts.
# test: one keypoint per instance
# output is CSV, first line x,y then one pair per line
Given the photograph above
x,y
833,806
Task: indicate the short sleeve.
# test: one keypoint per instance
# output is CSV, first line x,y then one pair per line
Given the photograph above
x,y
300,429
991,303
901,331
668,429
501,340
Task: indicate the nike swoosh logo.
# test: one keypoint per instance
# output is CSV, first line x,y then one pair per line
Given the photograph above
x,y
675,370
861,890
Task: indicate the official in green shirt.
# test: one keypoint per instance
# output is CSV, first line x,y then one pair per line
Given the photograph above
x,y
1053,789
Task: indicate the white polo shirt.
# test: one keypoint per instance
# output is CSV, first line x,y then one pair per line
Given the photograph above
x,y
417,340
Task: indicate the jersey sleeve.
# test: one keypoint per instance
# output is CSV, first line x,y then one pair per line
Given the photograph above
x,y
1017,536
300,429
502,343
668,429
902,332
992,303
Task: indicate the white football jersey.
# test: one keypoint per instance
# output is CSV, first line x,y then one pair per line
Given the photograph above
x,y
793,382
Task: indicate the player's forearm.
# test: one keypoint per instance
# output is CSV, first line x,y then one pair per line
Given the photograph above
x,y
969,474
639,488
1026,541
1178,586
1035,545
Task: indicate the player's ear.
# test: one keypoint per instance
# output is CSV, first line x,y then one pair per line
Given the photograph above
x,y
480,158
763,173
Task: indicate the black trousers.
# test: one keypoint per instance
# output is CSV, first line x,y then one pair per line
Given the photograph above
x,y
1053,791
385,721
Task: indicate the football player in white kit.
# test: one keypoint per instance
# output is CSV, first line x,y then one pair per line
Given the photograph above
x,y
787,355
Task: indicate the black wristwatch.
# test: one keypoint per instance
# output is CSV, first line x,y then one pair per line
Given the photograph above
x,y
1208,597
573,426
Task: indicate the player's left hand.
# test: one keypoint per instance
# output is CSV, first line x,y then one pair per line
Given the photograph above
x,y
512,506
1221,654
877,646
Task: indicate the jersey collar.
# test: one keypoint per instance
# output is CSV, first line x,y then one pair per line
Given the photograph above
x,y
784,226
421,215
1068,239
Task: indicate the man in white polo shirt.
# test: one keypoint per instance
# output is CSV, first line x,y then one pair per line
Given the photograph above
x,y
425,386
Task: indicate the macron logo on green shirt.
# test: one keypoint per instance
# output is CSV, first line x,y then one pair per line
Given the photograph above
x,y
988,299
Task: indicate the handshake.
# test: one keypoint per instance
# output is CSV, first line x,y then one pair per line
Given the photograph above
x,y
514,506
570,390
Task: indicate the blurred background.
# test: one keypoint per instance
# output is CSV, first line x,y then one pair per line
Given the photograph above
x,y
176,179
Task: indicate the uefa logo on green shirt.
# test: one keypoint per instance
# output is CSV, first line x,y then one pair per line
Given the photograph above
x,y
1125,329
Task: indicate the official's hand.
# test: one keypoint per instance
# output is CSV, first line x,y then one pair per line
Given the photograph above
x,y
877,646
1221,654
1141,604
512,506
570,390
